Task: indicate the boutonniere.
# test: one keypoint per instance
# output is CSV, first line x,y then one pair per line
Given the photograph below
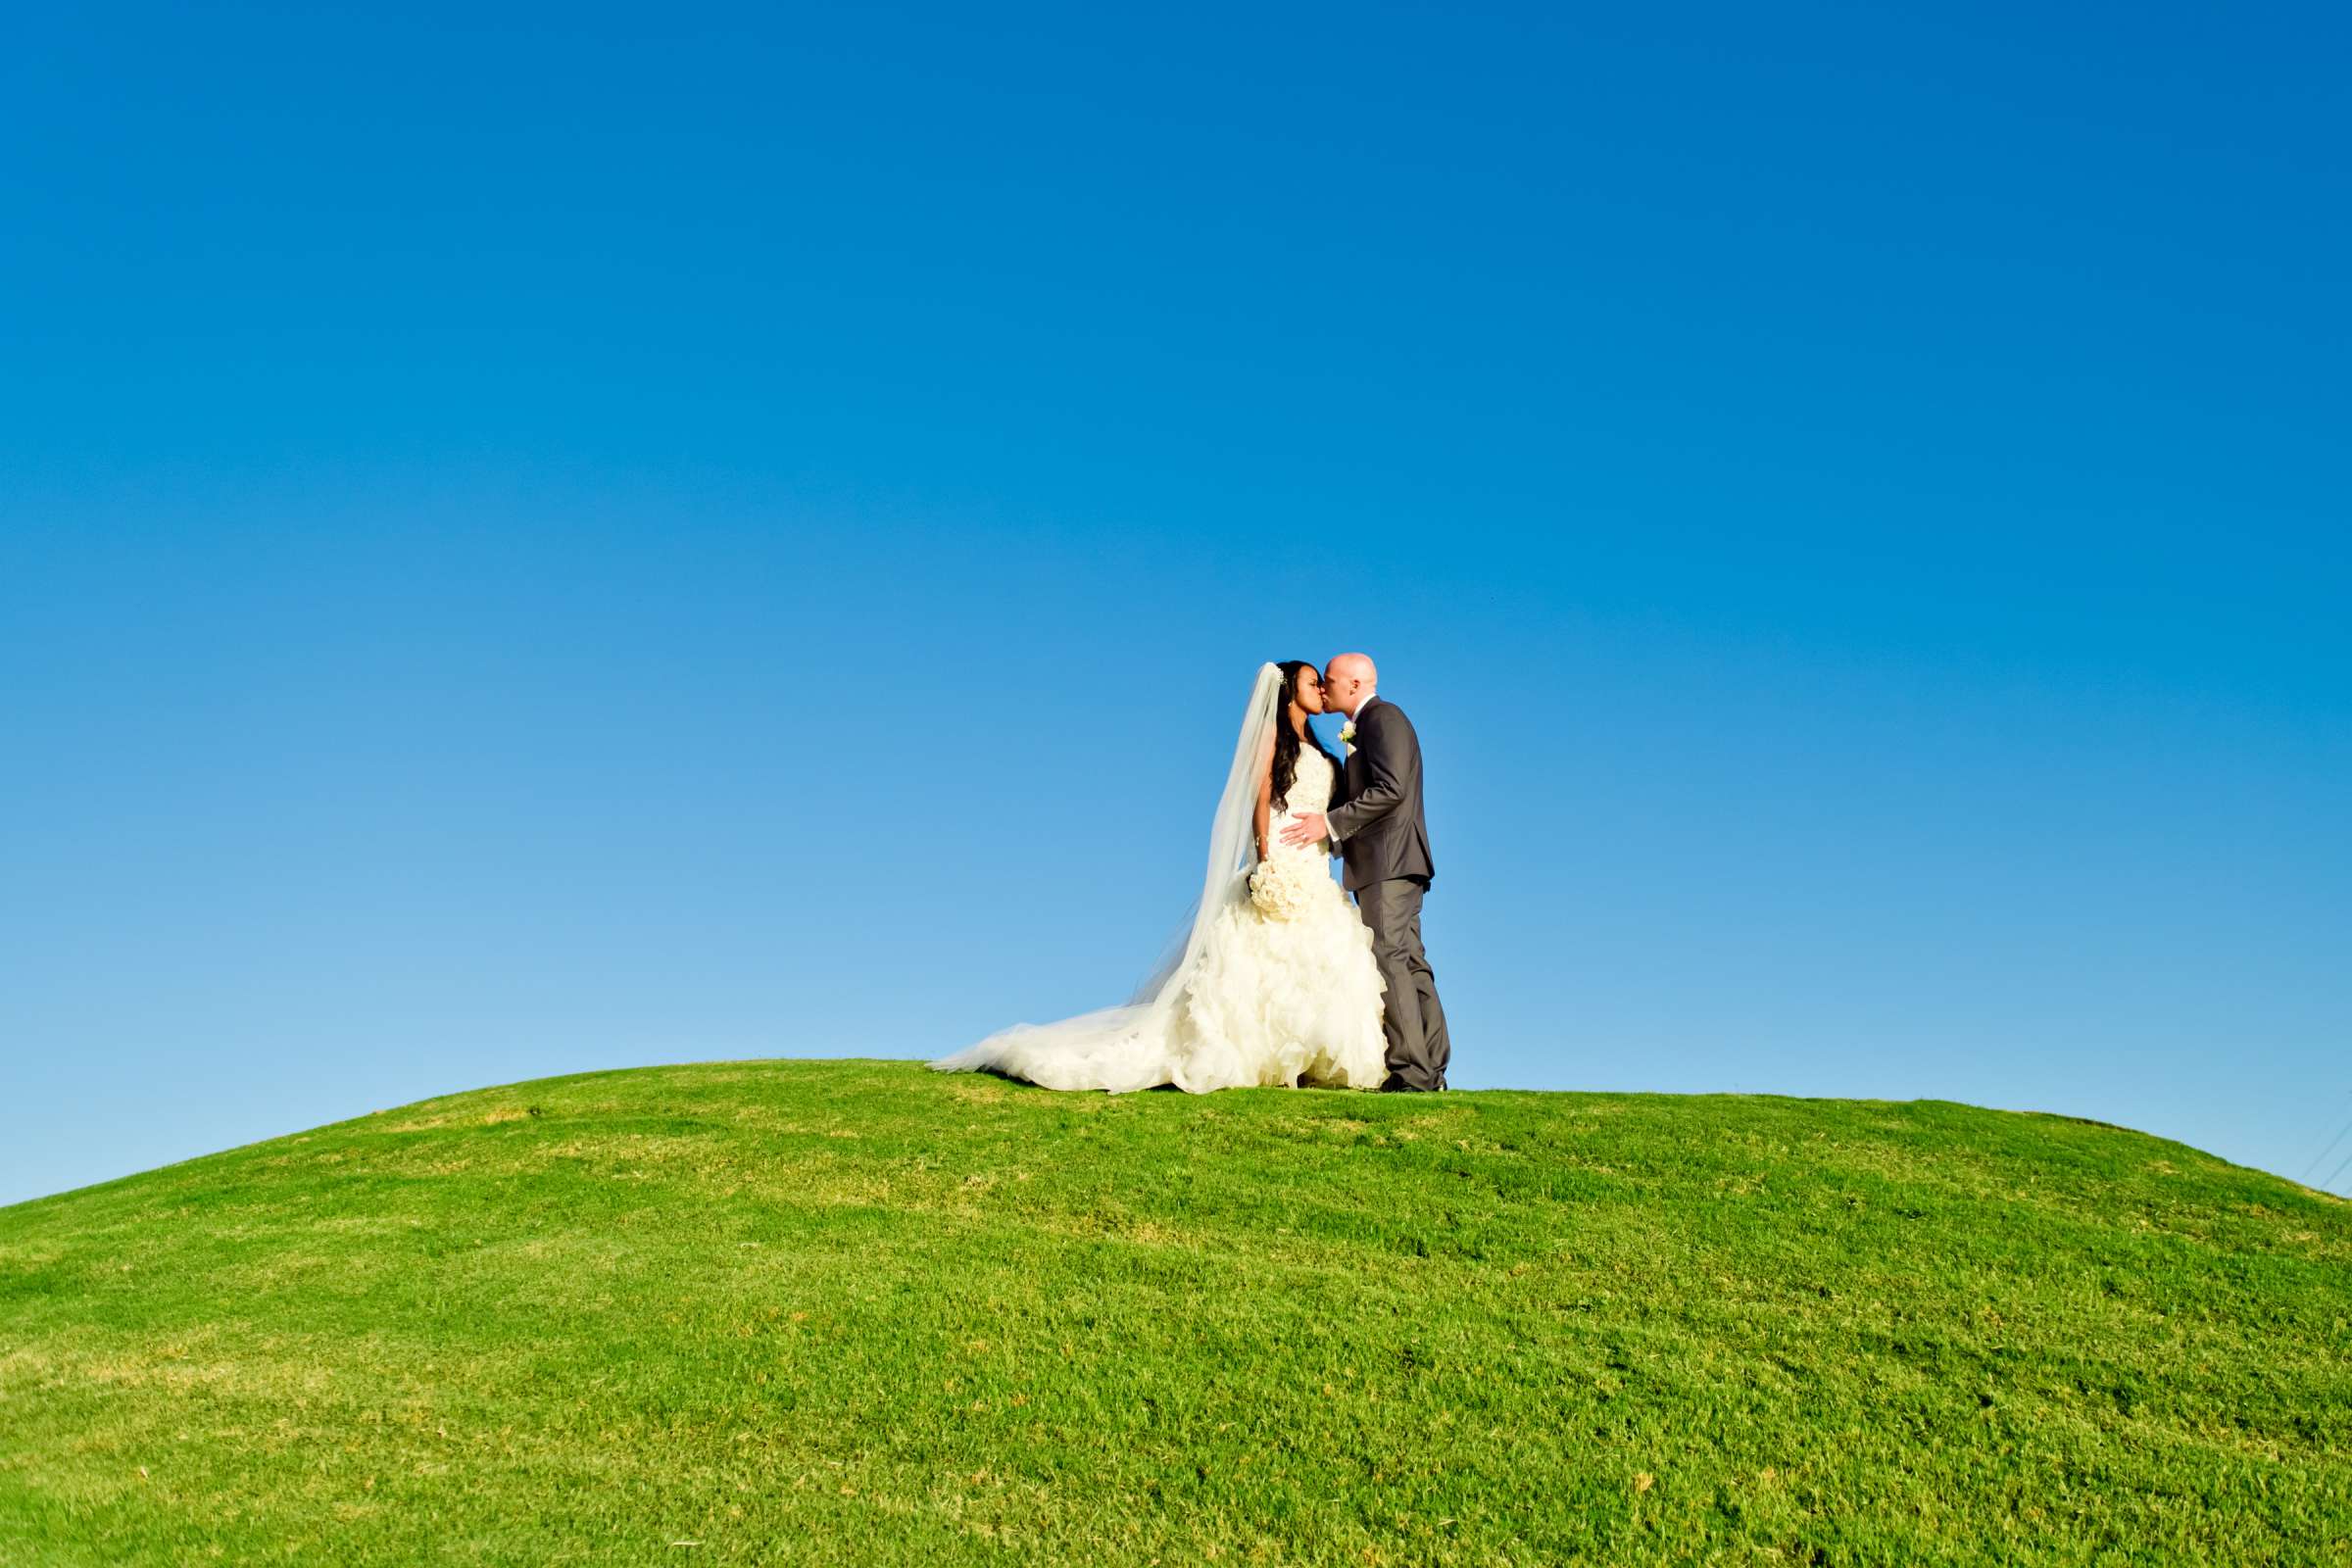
x,y
1348,733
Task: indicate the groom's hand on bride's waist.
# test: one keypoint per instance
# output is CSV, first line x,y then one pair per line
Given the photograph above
x,y
1305,828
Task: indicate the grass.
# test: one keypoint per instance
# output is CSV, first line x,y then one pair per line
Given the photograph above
x,y
851,1312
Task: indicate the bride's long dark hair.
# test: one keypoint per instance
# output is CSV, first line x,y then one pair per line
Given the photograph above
x,y
1286,740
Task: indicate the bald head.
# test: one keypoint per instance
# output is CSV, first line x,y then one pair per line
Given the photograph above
x,y
1348,683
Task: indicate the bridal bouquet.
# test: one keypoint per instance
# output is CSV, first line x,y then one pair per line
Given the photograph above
x,y
1280,887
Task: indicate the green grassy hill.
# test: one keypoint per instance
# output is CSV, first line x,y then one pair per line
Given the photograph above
x,y
786,1311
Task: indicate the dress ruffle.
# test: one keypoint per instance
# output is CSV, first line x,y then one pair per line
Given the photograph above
x,y
1284,990
1280,1001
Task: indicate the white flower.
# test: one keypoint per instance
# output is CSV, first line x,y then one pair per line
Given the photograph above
x,y
1281,887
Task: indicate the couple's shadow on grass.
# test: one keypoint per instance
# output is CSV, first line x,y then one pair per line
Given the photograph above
x,y
1003,1077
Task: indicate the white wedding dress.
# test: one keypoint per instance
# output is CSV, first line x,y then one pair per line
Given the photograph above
x,y
1276,983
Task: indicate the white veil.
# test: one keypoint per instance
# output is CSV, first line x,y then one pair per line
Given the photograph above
x,y
1130,1046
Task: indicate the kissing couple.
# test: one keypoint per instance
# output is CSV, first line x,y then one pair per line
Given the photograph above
x,y
1280,980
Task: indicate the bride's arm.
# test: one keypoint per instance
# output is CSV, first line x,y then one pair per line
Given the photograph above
x,y
1265,795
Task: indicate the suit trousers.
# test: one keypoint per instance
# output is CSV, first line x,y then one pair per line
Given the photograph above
x,y
1414,1022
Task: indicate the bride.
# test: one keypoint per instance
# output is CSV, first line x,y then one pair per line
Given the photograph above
x,y
1275,983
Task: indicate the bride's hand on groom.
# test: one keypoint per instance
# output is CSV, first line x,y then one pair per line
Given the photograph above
x,y
1305,828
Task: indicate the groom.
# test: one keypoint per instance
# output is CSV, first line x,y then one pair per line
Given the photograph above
x,y
1381,834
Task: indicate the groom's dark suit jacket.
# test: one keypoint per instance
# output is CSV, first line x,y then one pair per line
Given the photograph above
x,y
1378,825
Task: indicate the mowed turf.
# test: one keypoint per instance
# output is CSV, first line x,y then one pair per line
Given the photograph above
x,y
859,1313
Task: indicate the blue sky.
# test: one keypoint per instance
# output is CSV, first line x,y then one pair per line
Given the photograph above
x,y
534,541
